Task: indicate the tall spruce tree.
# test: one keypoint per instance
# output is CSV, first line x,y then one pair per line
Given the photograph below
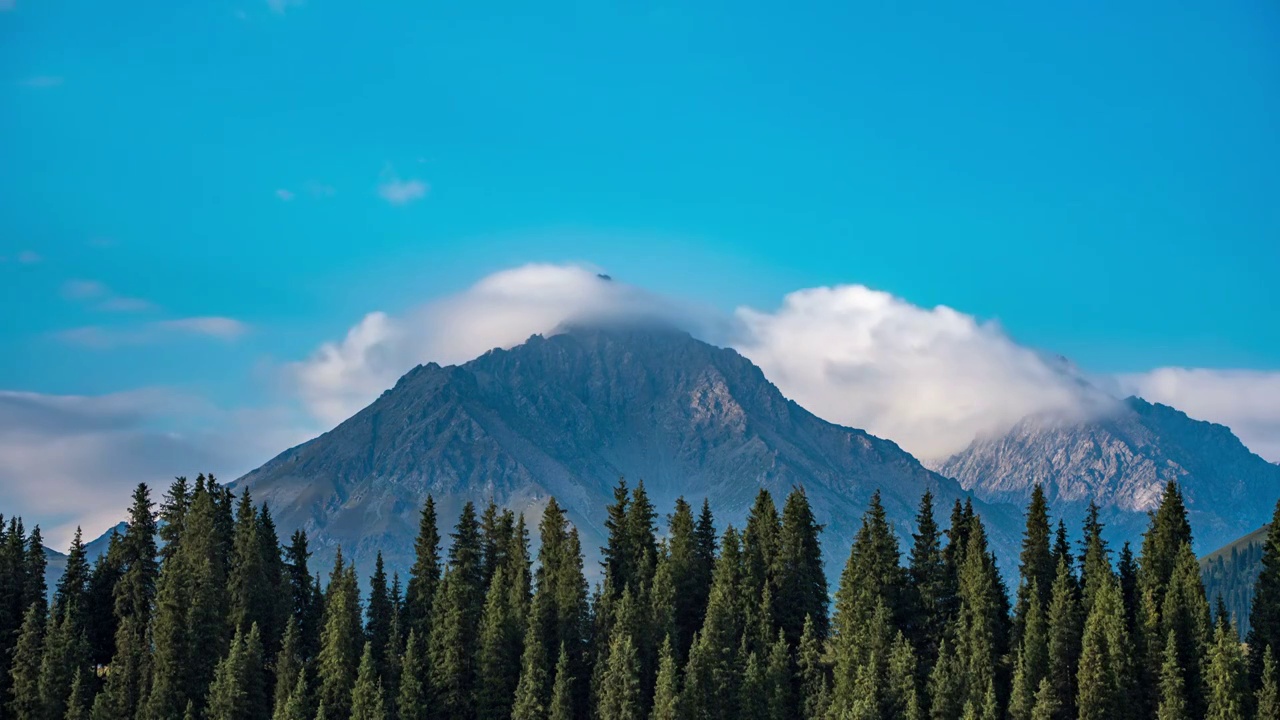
x,y
1264,613
666,696
1267,697
413,701
691,582
25,702
1226,676
378,613
1036,568
711,681
800,580
932,587
500,651
424,576
341,640
367,701
620,689
1065,625
1105,676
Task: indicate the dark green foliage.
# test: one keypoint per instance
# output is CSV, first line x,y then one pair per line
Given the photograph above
x,y
305,603
932,587
620,690
690,575
25,702
341,640
413,700
1267,698
813,674
800,581
424,576
1264,616
367,701
239,691
562,692
1225,676
379,613
1106,674
1037,569
501,633
66,654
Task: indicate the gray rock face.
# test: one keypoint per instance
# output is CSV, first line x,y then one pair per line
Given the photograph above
x,y
1122,461
566,416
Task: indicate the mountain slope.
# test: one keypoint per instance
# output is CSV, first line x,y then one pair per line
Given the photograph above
x,y
1231,571
567,415
1122,461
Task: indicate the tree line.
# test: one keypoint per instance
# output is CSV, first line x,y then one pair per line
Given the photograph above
x,y
1231,577
197,611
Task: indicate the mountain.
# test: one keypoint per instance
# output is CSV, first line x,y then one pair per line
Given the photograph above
x,y
569,414
1121,459
1231,571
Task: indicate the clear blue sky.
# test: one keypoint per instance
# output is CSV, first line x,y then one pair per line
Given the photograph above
x,y
1103,181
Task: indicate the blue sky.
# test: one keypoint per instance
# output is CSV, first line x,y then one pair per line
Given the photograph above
x,y
1103,182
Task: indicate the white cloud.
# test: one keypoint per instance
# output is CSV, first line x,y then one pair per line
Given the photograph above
x,y
29,257
1247,401
103,297
501,310
401,192
43,81
103,337
282,6
929,379
68,460
284,194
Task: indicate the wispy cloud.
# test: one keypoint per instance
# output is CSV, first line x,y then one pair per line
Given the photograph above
x,y
102,337
280,7
29,257
399,191
43,81
285,195
102,297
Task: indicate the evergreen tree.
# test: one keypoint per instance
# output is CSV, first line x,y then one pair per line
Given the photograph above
x,y
690,580
933,589
66,653
278,604
133,595
759,551
1268,694
1173,695
252,599
499,660
238,691
1105,676
306,605
413,700
982,618
1226,676
25,702
379,616
1264,614
562,692
753,703
800,581
711,687
366,697
1047,707
73,586
424,576
80,700
1065,625
340,642
98,612
1185,611
666,696
289,666
813,674
1037,569
620,690
1032,664
297,703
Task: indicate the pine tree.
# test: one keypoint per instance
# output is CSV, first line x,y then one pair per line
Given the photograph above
x,y
710,683
1185,611
813,674
903,696
278,604
66,653
25,702
81,698
666,696
297,703
499,657
800,581
932,594
1046,707
753,703
1032,665
340,642
378,614
760,548
1173,695
981,622
690,585
424,576
562,691
1226,676
305,605
251,598
1037,569
99,615
366,697
779,680
413,699
238,691
73,586
1268,694
1065,626
288,665
1264,614
1105,676
620,690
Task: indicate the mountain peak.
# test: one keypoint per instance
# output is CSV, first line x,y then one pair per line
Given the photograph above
x,y
567,414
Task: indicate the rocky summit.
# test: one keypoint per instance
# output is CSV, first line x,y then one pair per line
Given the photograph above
x,y
567,416
1121,459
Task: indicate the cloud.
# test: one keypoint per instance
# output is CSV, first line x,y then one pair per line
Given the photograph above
x,y
282,6
70,459
1247,401
43,81
106,300
83,289
103,337
929,379
401,192
29,257
284,194
500,310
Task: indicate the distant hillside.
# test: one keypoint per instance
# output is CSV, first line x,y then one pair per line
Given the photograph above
x,y
1231,571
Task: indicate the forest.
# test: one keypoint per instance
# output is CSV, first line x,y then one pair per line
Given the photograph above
x,y
198,610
